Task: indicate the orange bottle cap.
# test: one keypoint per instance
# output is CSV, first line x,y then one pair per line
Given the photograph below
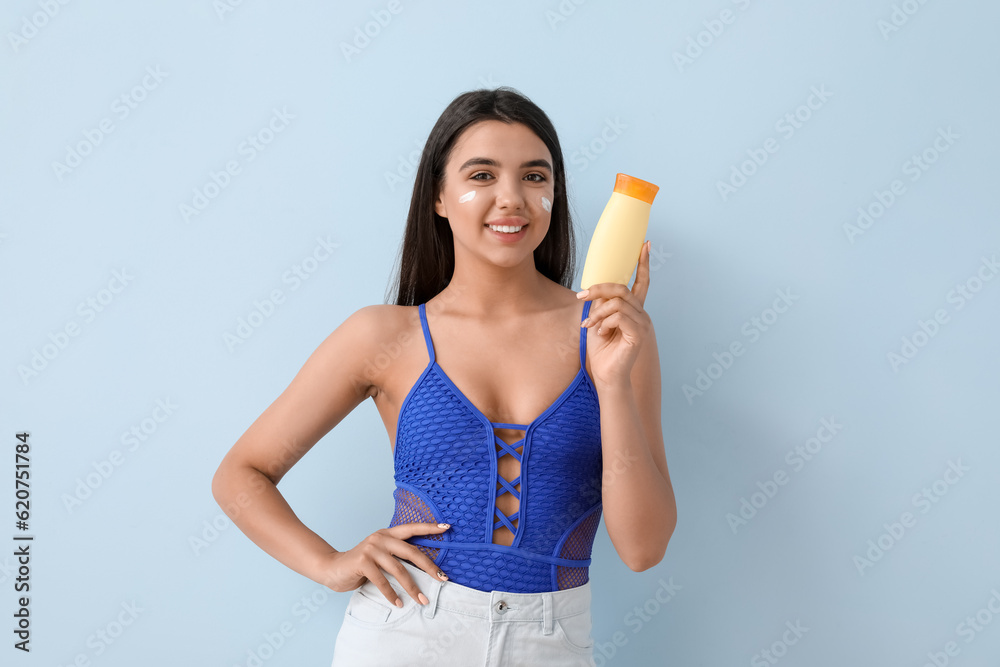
x,y
636,187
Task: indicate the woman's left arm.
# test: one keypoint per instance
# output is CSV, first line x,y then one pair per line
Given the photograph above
x,y
640,510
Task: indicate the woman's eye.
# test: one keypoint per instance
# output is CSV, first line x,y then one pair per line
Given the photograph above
x,y
476,176
537,178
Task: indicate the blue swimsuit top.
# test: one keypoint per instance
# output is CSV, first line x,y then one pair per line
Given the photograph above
x,y
446,471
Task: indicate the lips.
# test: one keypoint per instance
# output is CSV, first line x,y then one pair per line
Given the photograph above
x,y
508,222
508,237
500,224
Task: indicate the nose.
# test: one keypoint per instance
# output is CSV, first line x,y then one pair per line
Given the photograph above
x,y
509,194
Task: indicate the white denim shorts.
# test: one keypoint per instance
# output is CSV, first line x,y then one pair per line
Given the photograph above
x,y
465,627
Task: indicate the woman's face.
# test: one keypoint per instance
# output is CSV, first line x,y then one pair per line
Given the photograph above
x,y
498,173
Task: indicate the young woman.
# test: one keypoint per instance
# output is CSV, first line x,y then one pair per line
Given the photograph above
x,y
517,410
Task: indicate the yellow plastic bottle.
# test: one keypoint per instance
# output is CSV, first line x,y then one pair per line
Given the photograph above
x,y
614,249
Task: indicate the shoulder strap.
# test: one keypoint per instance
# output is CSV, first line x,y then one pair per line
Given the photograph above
x,y
583,335
427,333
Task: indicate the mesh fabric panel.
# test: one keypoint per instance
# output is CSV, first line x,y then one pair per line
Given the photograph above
x,y
578,547
410,508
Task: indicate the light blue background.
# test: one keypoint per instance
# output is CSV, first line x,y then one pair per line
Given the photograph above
x,y
718,262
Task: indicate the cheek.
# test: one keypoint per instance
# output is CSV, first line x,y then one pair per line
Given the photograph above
x,y
546,204
467,197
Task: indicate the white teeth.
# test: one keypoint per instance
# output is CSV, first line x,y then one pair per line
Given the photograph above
x,y
505,229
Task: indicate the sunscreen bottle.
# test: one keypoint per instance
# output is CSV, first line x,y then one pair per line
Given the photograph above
x,y
614,249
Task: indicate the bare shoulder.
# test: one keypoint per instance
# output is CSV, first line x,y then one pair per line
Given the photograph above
x,y
372,332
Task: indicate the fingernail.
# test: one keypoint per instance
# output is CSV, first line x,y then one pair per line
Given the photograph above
x,y
585,322
423,598
442,575
444,525
399,603
583,294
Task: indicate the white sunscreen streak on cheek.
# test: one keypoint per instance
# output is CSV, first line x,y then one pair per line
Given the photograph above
x,y
546,204
467,196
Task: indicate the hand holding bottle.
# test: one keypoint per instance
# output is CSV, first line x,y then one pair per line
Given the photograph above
x,y
621,324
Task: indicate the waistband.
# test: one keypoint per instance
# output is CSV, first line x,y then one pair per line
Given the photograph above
x,y
495,606
500,548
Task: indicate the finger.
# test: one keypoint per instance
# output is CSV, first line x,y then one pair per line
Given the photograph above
x,y
594,315
641,285
375,575
396,569
423,561
601,293
594,305
598,291
416,556
403,531
633,329
627,307
609,324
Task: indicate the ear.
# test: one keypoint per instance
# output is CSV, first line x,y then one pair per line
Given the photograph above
x,y
439,206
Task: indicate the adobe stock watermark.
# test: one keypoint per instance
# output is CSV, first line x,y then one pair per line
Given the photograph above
x,y
87,311
122,107
901,14
224,7
390,352
914,167
488,81
569,345
787,125
923,500
927,330
247,150
406,165
295,277
433,650
364,34
752,330
714,27
135,437
211,530
636,619
8,568
779,647
303,611
31,25
562,12
968,629
257,482
796,458
585,154
105,636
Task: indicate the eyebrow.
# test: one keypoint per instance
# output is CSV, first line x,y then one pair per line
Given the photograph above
x,y
493,163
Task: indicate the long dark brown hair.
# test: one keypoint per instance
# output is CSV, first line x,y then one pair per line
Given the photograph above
x,y
427,259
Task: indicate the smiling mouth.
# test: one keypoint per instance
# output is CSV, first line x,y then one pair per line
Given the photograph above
x,y
506,229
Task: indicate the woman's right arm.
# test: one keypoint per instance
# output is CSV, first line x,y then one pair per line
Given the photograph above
x,y
329,386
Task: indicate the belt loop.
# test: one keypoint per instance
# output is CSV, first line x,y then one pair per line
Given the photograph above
x,y
432,598
547,614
